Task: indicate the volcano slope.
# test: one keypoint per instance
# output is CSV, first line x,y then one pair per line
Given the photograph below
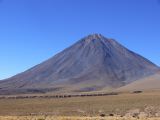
x,y
151,83
93,63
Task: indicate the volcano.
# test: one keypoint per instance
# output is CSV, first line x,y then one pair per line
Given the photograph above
x,y
94,63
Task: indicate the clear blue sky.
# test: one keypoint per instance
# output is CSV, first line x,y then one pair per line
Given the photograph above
x,y
32,31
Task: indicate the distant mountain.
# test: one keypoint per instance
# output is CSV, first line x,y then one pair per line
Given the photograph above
x,y
93,63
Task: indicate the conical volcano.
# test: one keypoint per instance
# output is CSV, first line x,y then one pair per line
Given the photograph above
x,y
93,63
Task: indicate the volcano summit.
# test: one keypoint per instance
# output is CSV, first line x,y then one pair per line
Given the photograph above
x,y
93,63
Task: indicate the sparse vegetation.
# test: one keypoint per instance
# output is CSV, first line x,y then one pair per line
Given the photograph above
x,y
119,107
111,114
41,119
137,92
72,118
102,115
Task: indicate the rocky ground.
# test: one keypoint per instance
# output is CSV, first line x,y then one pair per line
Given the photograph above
x,y
71,118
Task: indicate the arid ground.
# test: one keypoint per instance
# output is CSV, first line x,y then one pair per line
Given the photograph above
x,y
70,118
142,105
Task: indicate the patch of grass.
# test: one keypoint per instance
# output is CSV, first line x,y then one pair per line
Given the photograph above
x,y
41,119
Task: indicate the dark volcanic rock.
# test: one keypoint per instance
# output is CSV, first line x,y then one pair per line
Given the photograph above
x,y
93,63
